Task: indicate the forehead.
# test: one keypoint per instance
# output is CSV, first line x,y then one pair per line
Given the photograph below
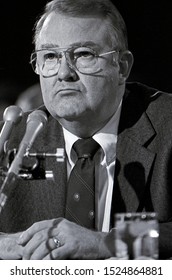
x,y
60,30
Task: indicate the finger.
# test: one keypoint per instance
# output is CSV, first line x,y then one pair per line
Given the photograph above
x,y
60,225
39,246
30,232
61,253
43,249
34,243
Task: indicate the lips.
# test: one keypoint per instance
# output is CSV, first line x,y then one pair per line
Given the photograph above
x,y
67,90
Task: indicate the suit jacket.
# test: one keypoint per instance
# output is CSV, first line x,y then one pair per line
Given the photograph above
x,y
142,180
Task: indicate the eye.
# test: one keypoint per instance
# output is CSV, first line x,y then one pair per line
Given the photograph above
x,y
84,53
48,57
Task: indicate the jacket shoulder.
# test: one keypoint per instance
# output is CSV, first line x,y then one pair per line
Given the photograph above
x,y
157,103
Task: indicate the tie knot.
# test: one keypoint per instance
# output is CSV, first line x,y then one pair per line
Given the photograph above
x,y
86,148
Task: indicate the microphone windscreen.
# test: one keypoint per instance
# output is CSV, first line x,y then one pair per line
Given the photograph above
x,y
13,114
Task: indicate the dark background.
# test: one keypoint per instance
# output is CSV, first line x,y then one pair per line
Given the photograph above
x,y
149,25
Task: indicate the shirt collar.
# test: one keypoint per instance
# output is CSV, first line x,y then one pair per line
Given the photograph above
x,y
106,137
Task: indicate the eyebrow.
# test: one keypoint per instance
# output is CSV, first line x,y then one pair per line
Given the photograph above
x,y
76,44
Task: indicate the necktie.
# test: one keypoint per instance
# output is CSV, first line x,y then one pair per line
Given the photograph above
x,y
80,203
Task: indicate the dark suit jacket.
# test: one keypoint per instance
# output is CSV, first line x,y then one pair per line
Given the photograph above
x,y
143,175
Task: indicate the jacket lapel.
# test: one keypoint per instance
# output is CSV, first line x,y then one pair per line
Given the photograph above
x,y
134,160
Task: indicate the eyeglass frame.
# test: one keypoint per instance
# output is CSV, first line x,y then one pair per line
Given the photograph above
x,y
63,52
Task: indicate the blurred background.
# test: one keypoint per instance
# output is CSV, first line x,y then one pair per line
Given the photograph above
x,y
150,39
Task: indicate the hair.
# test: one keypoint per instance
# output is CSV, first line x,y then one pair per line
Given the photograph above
x,y
103,8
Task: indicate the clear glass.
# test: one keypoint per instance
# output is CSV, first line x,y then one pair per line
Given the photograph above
x,y
84,59
140,234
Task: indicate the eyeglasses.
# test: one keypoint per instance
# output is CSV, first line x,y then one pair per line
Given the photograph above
x,y
84,59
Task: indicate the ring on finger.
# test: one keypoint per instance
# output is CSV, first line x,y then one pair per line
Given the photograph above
x,y
57,242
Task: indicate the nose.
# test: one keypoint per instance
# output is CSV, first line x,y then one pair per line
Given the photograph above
x,y
66,73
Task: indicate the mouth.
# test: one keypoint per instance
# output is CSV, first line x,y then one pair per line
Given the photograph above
x,y
68,91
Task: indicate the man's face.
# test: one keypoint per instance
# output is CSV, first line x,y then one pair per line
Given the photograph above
x,y
70,95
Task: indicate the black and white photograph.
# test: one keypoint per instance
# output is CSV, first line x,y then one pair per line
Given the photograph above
x,y
86,131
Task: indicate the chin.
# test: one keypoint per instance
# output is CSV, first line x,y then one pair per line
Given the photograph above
x,y
67,113
66,116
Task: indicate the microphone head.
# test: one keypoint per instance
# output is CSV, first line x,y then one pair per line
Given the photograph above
x,y
38,116
13,114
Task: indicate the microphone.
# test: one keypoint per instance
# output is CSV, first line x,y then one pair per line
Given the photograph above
x,y
12,115
36,121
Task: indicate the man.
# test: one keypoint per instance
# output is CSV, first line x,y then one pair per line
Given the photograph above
x,y
83,62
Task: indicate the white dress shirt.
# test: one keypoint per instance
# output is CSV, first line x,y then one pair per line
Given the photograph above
x,y
105,167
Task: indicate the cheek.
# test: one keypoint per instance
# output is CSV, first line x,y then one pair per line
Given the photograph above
x,y
101,89
46,88
44,82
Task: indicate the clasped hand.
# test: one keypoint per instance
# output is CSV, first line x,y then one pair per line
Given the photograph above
x,y
76,242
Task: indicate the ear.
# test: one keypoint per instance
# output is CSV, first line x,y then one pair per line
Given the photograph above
x,y
125,64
